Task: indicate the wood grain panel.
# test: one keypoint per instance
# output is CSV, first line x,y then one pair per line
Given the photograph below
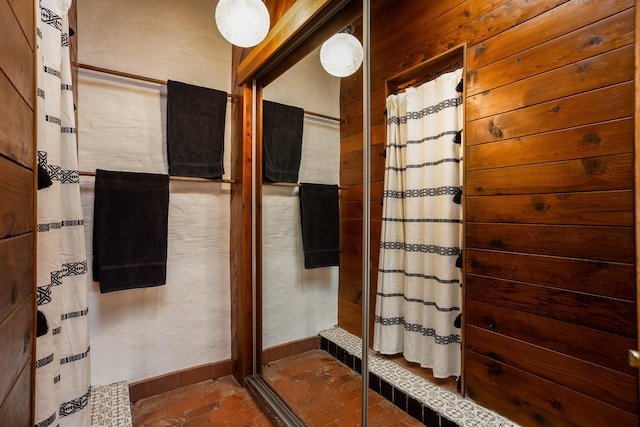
x,y
602,36
602,139
556,22
549,120
563,337
592,73
403,20
610,103
574,307
350,244
350,317
551,397
16,409
351,143
16,199
24,13
614,280
351,275
18,67
586,242
351,160
16,258
582,377
520,409
16,133
16,333
473,22
352,210
589,174
592,208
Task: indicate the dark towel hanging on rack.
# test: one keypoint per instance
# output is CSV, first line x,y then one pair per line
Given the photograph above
x,y
320,221
130,223
281,141
195,130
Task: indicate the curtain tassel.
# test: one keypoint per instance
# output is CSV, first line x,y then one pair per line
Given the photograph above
x,y
458,196
460,86
42,324
458,138
44,180
458,322
459,260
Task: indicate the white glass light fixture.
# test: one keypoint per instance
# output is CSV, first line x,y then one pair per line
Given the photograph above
x,y
342,54
244,23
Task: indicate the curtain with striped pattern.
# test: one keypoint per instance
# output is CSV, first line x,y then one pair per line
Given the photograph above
x,y
62,346
417,311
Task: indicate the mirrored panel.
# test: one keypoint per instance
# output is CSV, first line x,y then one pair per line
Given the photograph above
x,y
300,235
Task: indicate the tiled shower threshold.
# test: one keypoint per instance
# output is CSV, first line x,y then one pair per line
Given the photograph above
x,y
423,400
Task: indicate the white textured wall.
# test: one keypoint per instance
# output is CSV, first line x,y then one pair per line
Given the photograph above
x,y
140,333
297,302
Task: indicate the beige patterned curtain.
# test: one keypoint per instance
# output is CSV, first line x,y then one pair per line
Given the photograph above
x,y
418,292
62,347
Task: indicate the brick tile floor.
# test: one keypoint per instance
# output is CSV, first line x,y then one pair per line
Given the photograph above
x,y
220,402
321,390
324,392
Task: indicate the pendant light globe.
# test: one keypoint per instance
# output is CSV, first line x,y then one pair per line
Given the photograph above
x,y
341,55
244,23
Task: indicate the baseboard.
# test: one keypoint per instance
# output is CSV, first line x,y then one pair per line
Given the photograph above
x,y
289,349
174,380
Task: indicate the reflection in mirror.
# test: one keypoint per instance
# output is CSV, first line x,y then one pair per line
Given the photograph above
x,y
299,302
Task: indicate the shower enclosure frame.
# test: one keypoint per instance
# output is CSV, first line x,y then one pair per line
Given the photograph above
x,y
298,32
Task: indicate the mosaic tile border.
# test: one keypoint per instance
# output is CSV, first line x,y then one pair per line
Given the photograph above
x,y
110,406
420,398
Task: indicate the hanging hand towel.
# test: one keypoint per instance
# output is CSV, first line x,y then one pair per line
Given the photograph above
x,y
282,141
195,130
319,216
130,222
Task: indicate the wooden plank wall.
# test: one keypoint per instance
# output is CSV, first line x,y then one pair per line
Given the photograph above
x,y
549,256
17,143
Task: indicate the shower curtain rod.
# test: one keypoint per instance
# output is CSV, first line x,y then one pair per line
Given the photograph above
x,y
176,178
164,83
290,184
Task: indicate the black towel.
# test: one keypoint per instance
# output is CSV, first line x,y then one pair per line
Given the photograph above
x,y
320,220
130,221
195,130
281,141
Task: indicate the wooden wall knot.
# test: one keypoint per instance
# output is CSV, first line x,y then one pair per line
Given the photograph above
x,y
594,166
584,68
495,130
495,369
593,40
540,206
497,243
472,76
591,140
491,324
480,50
475,264
556,404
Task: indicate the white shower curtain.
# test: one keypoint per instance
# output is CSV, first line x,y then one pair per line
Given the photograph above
x,y
418,290
62,348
